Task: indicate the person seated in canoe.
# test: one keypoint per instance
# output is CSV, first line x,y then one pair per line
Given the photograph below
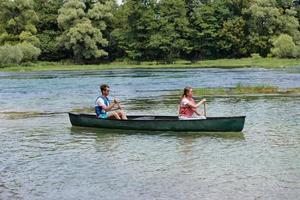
x,y
103,105
188,106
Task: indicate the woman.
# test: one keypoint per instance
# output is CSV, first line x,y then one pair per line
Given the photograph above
x,y
188,106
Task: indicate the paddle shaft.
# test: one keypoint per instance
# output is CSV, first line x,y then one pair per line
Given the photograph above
x,y
204,109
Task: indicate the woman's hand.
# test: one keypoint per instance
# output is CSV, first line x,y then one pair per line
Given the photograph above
x,y
203,101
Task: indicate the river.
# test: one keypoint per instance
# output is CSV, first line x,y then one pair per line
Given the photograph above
x,y
43,157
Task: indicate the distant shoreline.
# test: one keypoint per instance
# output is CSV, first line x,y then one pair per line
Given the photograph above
x,y
219,63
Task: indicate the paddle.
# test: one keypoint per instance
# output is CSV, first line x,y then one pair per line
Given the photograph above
x,y
204,109
119,106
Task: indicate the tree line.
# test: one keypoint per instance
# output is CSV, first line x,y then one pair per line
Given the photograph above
x,y
95,31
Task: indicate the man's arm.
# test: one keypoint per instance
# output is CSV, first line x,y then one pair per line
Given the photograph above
x,y
106,108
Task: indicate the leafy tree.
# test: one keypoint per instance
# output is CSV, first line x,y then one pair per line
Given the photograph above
x,y
29,51
102,17
136,25
207,22
10,54
171,35
17,22
82,28
284,47
268,20
120,27
232,38
296,5
48,29
290,25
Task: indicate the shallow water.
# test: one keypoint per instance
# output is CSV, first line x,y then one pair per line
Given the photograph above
x,y
43,157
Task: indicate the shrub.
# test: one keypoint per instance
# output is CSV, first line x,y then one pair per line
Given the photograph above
x,y
284,47
255,55
30,52
10,54
297,51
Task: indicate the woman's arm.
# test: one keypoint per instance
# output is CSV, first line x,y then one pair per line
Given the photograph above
x,y
192,105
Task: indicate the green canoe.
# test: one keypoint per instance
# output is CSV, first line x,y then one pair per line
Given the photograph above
x,y
161,123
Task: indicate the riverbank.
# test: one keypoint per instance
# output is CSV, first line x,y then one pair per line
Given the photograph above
x,y
220,63
245,90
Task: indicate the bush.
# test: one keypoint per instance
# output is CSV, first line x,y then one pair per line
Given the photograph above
x,y
255,55
297,51
49,46
10,54
30,52
284,47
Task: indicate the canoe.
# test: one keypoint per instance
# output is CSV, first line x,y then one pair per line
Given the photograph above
x,y
160,123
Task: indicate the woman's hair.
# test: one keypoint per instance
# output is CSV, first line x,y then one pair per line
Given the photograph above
x,y
185,91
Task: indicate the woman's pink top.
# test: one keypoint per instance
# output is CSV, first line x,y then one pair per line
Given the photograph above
x,y
184,109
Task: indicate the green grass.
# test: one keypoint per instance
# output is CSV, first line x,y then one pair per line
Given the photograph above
x,y
239,89
222,63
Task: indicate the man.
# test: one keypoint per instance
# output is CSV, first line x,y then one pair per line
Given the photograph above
x,y
103,105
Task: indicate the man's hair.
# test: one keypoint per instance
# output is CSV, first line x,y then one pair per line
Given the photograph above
x,y
103,87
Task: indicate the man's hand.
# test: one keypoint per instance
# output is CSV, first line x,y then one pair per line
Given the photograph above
x,y
116,101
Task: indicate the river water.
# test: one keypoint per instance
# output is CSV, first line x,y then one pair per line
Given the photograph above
x,y
43,157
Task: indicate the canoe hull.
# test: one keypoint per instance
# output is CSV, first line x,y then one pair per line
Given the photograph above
x,y
161,123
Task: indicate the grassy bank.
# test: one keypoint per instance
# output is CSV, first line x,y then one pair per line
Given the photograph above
x,y
221,63
244,90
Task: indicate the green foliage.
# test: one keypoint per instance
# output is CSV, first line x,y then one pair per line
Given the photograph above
x,y
207,24
50,47
263,24
83,39
255,56
47,12
268,19
10,54
231,38
170,37
48,29
82,24
284,47
135,22
30,52
17,22
15,54
290,25
149,30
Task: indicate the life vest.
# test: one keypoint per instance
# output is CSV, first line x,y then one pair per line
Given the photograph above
x,y
98,109
186,111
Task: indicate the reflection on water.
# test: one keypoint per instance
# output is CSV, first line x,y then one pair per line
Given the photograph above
x,y
43,157
115,132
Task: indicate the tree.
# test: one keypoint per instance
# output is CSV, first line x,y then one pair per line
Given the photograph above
x,y
284,47
82,24
102,17
207,22
232,38
266,21
17,22
48,30
135,22
170,38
